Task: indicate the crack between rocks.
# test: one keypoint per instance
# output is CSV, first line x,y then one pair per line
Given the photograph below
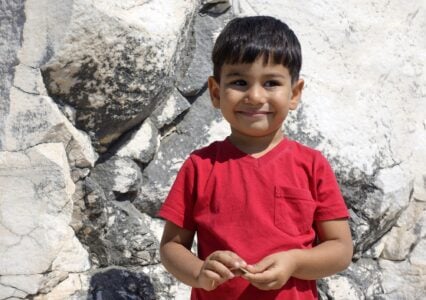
x,y
15,288
26,92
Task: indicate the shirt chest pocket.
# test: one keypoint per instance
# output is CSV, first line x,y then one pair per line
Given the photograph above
x,y
293,210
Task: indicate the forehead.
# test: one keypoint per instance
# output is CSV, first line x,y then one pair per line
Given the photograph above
x,y
258,67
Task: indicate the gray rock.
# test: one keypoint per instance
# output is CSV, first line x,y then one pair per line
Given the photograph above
x,y
170,109
12,18
115,232
119,177
362,280
117,283
112,91
193,132
215,6
377,201
141,144
205,28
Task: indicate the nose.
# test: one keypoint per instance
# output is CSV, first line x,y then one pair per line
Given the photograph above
x,y
255,94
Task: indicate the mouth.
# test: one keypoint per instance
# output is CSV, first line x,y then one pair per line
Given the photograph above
x,y
254,113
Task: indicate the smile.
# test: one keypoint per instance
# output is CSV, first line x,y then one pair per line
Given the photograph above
x,y
254,113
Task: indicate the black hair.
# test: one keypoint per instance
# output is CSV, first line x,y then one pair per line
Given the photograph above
x,y
245,39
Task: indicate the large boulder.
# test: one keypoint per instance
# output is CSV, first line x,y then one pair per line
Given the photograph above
x,y
115,60
35,212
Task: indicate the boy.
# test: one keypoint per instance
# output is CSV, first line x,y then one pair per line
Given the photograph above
x,y
267,211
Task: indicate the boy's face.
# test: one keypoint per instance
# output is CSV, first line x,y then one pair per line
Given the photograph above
x,y
255,98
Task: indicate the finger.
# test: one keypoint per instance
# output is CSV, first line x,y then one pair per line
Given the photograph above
x,y
260,278
239,271
261,266
220,269
273,285
229,259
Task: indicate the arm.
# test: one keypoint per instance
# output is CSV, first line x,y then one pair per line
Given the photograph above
x,y
332,255
178,259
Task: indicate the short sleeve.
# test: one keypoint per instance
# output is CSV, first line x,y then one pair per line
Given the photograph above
x,y
330,202
178,206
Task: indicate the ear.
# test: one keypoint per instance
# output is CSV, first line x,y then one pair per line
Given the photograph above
x,y
296,93
214,91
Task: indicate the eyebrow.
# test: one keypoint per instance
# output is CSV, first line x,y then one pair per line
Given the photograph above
x,y
237,74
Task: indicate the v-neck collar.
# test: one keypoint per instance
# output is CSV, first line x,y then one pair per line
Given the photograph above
x,y
233,152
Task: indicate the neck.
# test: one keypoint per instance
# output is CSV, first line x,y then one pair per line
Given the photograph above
x,y
256,145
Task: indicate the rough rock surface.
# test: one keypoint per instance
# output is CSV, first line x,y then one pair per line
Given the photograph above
x,y
35,212
101,102
115,61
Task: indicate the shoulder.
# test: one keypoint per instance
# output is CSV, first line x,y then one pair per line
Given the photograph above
x,y
303,151
207,153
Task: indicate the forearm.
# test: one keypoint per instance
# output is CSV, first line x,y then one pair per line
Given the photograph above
x,y
181,262
325,259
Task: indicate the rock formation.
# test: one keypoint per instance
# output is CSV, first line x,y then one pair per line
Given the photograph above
x,y
101,101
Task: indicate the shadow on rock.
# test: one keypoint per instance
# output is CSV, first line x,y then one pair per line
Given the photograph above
x,y
116,284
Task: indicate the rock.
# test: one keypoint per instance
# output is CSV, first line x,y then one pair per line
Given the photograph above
x,y
115,232
112,91
418,257
12,18
35,192
402,280
118,283
142,143
28,284
120,178
170,109
32,120
379,200
362,279
215,6
205,29
74,287
341,288
193,132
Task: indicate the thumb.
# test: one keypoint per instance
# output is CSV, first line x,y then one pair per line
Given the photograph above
x,y
260,266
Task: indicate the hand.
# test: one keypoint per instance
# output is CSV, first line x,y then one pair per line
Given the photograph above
x,y
272,272
219,267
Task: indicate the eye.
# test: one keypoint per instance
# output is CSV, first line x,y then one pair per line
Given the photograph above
x,y
239,82
272,83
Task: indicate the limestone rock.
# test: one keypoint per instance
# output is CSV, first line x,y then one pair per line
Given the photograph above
x,y
205,29
112,91
170,109
142,143
12,17
35,119
402,280
191,133
342,288
116,233
119,177
29,117
35,193
74,287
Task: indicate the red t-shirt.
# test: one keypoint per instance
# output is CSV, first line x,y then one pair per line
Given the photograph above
x,y
254,207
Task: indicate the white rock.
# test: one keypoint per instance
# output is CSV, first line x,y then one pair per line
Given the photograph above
x,y
27,283
35,196
398,243
418,257
342,288
142,144
36,119
67,288
72,257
